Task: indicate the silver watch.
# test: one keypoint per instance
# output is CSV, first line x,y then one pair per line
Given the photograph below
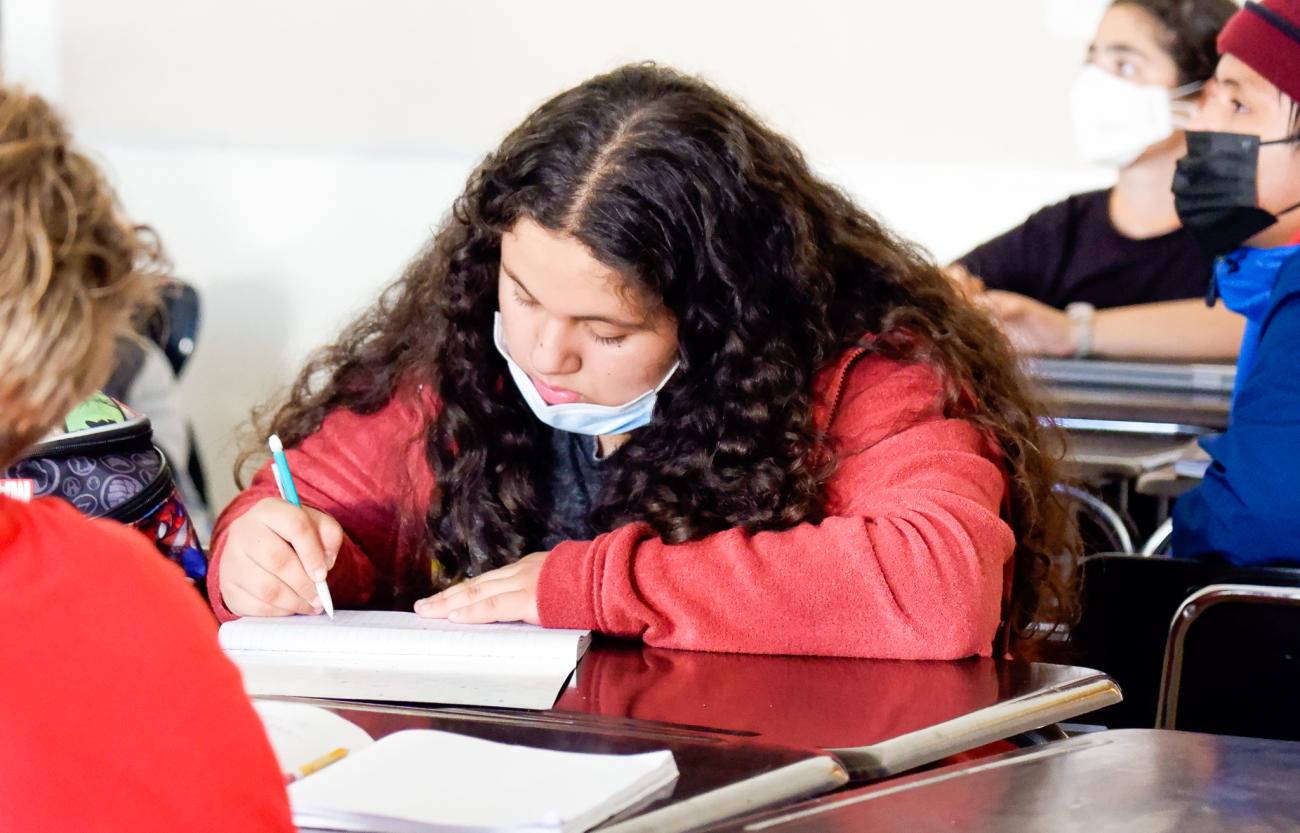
x,y
1081,314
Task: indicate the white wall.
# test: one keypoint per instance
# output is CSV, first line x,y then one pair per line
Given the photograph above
x,y
293,154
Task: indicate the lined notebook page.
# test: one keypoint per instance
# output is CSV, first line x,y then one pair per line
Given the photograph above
x,y
444,779
390,632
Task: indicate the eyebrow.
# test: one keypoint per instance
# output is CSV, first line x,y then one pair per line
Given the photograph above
x,y
1121,49
613,322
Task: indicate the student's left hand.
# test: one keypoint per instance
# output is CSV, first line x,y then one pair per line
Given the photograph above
x,y
507,594
1033,327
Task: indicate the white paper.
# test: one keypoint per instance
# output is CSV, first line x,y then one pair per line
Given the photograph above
x,y
463,682
300,733
455,781
399,656
400,632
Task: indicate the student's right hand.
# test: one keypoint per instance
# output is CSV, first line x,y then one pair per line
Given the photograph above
x,y
272,557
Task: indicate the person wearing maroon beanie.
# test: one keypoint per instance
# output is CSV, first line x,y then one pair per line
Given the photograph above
x,y
1238,192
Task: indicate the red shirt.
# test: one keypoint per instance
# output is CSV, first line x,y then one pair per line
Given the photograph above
x,y
118,712
910,561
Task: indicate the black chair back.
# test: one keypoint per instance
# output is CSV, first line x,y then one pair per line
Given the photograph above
x,y
1232,664
1128,603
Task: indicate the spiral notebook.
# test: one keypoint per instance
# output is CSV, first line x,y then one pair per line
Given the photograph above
x,y
397,656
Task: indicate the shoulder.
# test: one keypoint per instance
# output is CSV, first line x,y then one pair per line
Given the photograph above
x,y
66,553
409,408
868,394
1088,207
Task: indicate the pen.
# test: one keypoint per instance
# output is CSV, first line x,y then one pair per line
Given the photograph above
x,y
316,765
284,479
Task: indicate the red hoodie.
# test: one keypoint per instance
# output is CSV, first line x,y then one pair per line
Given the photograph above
x,y
910,561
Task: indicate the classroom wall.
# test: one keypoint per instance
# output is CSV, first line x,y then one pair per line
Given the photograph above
x,y
294,154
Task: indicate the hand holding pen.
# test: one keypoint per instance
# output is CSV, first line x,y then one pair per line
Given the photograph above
x,y
288,491
273,557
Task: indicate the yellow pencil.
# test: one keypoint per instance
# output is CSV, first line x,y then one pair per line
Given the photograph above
x,y
316,765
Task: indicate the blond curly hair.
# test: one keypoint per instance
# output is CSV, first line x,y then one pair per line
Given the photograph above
x,y
73,272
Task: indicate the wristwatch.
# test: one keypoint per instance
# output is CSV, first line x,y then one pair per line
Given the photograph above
x,y
1080,314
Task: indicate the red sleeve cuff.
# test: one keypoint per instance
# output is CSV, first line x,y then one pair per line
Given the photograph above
x,y
567,589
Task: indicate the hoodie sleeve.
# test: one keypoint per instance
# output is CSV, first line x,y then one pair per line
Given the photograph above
x,y
908,563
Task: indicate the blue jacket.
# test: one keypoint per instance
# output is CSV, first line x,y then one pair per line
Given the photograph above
x,y
1247,510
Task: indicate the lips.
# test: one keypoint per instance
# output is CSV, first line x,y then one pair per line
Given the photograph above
x,y
555,396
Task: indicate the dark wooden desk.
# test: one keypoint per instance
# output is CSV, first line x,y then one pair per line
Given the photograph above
x,y
881,717
753,731
1127,781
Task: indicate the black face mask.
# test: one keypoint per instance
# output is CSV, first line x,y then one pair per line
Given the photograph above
x,y
1214,189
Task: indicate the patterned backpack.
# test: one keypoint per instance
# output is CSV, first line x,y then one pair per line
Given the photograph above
x,y
103,461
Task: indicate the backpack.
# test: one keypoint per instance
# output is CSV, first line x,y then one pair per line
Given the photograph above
x,y
103,462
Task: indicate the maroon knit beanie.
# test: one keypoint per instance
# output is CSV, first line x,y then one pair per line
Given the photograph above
x,y
1266,37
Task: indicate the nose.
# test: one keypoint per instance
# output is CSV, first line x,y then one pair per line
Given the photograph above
x,y
1207,114
553,352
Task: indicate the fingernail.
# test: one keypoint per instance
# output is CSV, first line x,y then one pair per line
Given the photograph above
x,y
319,575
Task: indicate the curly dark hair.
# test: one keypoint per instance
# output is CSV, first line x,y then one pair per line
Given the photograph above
x,y
1191,32
771,275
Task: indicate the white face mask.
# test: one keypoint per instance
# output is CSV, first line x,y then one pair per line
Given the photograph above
x,y
1115,120
581,417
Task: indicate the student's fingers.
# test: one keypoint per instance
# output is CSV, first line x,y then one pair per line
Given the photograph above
x,y
297,528
242,603
468,584
514,606
253,588
271,587
465,593
278,559
330,532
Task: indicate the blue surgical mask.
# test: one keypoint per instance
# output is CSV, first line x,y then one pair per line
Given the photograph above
x,y
581,417
1244,280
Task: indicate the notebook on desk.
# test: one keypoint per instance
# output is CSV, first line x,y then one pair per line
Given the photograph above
x,y
397,656
423,781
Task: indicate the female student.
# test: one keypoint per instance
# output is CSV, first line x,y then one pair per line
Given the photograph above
x,y
1239,190
118,711
654,378
1066,282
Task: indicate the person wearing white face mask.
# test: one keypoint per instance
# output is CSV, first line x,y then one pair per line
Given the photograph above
x,y
1112,272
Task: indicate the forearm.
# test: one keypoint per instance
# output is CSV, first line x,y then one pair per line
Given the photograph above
x,y
1185,329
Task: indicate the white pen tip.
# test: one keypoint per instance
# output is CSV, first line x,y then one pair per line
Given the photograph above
x,y
274,442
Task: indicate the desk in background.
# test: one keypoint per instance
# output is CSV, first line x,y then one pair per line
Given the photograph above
x,y
1127,781
1127,421
756,731
1128,418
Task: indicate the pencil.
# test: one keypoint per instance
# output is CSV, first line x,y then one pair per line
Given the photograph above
x,y
316,765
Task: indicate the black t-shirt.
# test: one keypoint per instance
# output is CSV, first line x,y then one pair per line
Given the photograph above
x,y
1071,252
575,483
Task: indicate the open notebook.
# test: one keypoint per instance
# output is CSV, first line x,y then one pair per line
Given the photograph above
x,y
399,656
423,781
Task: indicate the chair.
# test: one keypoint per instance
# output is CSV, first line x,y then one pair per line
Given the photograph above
x,y
175,328
1099,522
1232,663
1128,603
175,325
